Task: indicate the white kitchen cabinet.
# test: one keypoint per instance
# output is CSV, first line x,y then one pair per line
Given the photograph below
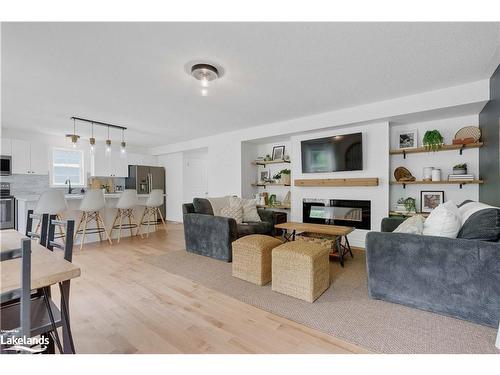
x,y
108,165
29,157
39,158
21,159
6,146
141,159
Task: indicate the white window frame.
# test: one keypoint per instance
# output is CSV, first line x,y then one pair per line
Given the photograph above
x,y
82,168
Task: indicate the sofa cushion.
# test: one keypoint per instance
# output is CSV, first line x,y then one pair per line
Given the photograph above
x,y
414,224
481,222
234,212
202,206
254,228
444,221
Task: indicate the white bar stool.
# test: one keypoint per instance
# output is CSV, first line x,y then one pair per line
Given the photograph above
x,y
51,202
128,200
92,202
152,209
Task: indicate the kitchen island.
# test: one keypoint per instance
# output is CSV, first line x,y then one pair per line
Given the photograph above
x,y
28,202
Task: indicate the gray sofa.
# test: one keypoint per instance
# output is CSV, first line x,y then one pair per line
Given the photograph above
x,y
211,236
457,277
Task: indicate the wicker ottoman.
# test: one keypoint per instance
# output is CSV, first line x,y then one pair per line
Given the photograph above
x,y
301,269
252,258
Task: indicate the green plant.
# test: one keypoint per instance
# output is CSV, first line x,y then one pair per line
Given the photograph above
x,y
460,166
433,140
401,201
410,204
277,176
285,171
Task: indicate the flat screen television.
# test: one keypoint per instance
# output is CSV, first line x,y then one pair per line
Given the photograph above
x,y
333,154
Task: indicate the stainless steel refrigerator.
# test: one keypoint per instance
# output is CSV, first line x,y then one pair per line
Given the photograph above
x,y
144,178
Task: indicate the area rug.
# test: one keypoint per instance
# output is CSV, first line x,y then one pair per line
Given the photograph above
x,y
344,310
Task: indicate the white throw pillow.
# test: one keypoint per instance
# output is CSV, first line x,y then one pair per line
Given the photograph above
x,y
235,212
414,224
250,213
444,221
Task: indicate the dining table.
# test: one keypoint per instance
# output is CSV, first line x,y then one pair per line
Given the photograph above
x,y
47,268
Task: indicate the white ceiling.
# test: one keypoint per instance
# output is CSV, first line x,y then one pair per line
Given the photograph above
x,y
134,74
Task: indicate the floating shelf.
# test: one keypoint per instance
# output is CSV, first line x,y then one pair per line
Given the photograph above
x,y
420,182
340,182
407,214
263,162
270,184
418,150
280,206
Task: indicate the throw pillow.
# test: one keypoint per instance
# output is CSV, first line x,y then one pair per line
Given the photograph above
x,y
235,212
414,225
480,222
250,213
444,221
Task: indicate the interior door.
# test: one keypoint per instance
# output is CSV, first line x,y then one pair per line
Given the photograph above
x,y
195,178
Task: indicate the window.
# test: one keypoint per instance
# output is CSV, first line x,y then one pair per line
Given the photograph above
x,y
67,164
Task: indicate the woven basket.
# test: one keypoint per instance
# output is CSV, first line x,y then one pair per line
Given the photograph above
x,y
403,174
469,132
301,269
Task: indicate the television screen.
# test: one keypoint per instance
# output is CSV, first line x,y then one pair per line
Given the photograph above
x,y
333,154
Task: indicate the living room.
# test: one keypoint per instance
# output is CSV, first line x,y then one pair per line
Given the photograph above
x,y
251,188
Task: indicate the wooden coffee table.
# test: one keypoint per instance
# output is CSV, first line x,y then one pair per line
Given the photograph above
x,y
339,232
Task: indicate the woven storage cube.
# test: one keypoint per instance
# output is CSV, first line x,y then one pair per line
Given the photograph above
x,y
301,269
252,258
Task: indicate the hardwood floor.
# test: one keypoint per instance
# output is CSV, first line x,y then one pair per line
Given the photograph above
x,y
121,304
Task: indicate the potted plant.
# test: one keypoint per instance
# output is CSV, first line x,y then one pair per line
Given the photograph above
x,y
410,204
433,140
284,176
400,207
460,168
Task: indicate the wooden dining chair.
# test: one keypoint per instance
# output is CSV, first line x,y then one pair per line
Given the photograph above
x,y
20,325
69,229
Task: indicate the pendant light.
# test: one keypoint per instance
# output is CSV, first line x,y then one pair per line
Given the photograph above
x,y
92,139
123,144
108,143
74,137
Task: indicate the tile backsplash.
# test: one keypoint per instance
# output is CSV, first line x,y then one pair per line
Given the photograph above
x,y
25,184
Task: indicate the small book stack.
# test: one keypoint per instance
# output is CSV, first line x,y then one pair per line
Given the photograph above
x,y
460,177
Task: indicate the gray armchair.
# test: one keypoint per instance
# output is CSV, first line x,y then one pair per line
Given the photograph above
x,y
209,235
455,277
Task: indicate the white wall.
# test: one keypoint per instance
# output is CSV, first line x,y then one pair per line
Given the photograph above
x,y
375,164
173,164
444,160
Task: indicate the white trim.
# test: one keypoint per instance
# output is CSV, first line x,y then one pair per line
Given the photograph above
x,y
81,166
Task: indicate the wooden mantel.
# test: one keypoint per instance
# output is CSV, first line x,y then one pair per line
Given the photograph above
x,y
338,182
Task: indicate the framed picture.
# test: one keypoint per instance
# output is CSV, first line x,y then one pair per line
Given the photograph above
x,y
408,139
264,176
278,152
429,200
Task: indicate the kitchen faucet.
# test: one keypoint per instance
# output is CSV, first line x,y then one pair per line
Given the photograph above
x,y
70,189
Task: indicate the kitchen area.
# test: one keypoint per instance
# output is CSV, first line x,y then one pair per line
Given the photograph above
x,y
31,167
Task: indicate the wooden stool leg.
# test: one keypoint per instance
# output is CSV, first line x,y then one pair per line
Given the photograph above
x,y
136,223
161,217
61,229
97,221
129,214
79,225
149,220
120,229
105,230
141,221
84,230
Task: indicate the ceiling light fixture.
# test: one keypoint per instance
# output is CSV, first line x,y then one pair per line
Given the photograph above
x,y
92,139
123,144
108,143
204,73
74,137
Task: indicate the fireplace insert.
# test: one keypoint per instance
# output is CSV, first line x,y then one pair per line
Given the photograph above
x,y
351,213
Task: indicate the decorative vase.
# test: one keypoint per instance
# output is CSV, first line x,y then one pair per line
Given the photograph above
x,y
427,173
285,179
436,175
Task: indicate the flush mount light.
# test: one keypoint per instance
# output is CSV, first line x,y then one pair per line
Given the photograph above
x,y
204,73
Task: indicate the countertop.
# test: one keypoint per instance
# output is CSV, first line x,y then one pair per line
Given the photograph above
x,y
34,198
